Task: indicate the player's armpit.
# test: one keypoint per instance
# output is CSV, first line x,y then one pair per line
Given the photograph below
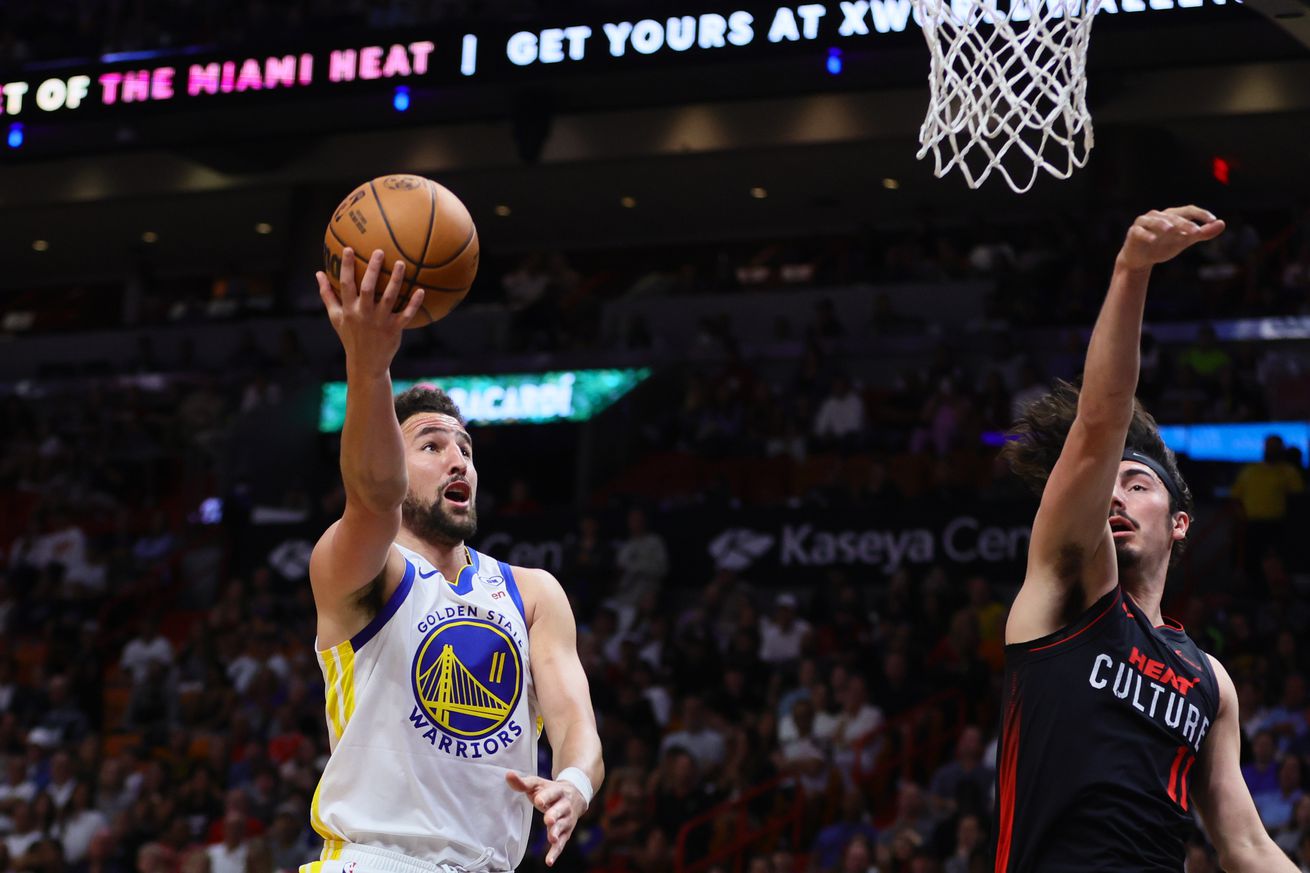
x,y
352,553
1071,553
1223,800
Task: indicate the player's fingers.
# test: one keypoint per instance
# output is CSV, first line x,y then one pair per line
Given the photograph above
x,y
523,784
1141,235
412,306
547,796
1192,213
1158,225
329,297
1210,229
392,291
557,845
349,291
558,816
368,287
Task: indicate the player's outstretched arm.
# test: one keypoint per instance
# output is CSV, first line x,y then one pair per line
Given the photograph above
x,y
1223,800
1071,555
565,699
355,549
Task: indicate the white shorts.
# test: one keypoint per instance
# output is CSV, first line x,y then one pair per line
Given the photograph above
x,y
357,858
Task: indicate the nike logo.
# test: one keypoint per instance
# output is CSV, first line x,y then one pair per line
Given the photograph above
x,y
423,575
1179,653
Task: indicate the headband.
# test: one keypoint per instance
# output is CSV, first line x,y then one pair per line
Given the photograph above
x,y
1159,469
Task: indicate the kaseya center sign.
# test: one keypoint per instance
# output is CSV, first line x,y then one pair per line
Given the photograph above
x,y
796,544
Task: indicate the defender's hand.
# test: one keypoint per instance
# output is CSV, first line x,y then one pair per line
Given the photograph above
x,y
1158,236
367,323
561,805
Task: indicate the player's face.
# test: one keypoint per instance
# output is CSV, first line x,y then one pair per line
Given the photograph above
x,y
1143,528
443,483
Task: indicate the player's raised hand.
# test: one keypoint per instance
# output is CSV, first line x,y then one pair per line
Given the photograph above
x,y
560,803
1158,236
368,323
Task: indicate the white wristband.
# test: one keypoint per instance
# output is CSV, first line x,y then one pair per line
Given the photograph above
x,y
578,780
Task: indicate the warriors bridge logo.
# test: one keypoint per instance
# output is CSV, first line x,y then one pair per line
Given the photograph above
x,y
467,678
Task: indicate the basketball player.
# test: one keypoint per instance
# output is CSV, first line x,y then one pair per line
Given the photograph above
x,y
440,663
1116,726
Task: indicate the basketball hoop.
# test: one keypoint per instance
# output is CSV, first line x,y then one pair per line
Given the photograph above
x,y
1008,87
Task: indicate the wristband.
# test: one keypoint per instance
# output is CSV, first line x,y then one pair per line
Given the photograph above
x,y
578,780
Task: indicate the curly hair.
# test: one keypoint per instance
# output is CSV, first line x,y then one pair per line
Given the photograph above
x,y
426,398
1037,438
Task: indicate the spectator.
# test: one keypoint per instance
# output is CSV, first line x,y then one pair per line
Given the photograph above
x,y
913,815
80,823
1276,807
857,720
147,647
854,822
679,795
229,856
17,788
155,857
1289,835
642,559
857,856
1205,358
705,743
61,784
839,422
1263,489
25,830
1261,773
970,841
783,636
1287,721
965,784
63,718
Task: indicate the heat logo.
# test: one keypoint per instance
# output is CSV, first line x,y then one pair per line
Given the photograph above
x,y
1154,689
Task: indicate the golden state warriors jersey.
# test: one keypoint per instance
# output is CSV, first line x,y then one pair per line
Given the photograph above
x,y
427,707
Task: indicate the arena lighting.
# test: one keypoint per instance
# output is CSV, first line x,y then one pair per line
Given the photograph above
x,y
502,210
263,228
400,100
1236,443
149,237
759,193
834,62
1219,167
40,245
15,138
627,202
509,398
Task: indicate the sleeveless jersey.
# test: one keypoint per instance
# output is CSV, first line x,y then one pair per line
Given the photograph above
x,y
427,707
1102,723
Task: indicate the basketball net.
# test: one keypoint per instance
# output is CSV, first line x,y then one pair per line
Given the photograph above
x,y
1008,87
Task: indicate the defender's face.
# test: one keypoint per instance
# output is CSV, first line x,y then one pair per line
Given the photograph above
x,y
442,479
1143,528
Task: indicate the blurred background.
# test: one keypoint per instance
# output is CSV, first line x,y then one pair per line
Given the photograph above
x,y
738,367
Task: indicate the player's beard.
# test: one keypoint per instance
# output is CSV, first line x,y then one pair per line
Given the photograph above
x,y
431,522
1127,557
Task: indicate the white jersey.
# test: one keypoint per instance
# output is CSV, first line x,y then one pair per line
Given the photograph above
x,y
427,707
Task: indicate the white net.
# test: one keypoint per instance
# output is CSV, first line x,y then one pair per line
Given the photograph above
x,y
1009,87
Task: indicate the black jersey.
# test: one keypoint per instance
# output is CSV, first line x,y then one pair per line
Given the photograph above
x,y
1103,721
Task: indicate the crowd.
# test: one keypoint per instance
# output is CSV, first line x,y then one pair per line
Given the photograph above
x,y
160,707
160,703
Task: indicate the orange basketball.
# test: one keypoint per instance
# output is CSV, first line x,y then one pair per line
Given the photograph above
x,y
415,220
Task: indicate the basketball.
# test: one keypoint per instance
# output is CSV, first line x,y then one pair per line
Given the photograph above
x,y
411,219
